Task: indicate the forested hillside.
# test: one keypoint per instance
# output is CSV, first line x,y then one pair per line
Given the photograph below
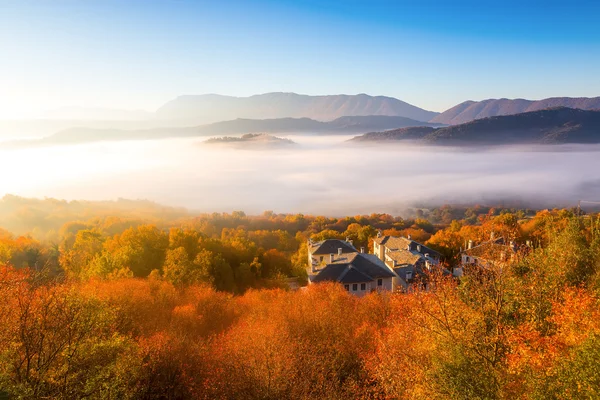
x,y
549,126
179,306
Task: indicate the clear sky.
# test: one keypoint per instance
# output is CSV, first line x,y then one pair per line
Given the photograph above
x,y
433,54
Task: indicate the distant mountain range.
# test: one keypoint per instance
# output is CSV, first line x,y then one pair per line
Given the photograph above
x,y
212,107
472,110
280,109
347,124
343,125
549,126
191,110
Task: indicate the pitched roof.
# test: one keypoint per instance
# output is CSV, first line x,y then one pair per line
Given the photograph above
x,y
352,275
403,271
402,243
330,273
404,257
331,246
354,268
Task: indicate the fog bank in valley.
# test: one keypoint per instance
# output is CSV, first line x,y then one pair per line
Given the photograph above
x,y
320,175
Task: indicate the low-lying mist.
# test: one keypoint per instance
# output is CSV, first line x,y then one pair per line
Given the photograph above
x,y
319,175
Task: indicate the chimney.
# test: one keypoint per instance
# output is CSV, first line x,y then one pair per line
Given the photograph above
x,y
331,258
409,237
378,234
362,249
470,244
339,251
419,248
348,239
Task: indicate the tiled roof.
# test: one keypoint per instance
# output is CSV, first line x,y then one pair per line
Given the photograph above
x,y
352,275
330,273
404,257
402,243
331,246
403,271
349,268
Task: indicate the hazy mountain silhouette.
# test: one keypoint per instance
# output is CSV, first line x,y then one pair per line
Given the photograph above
x,y
212,107
346,124
472,110
341,125
549,126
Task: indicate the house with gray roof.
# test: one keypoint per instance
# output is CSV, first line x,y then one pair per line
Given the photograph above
x,y
396,251
408,259
335,260
494,252
319,251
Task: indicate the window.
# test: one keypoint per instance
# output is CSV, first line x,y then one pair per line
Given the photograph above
x,y
379,282
363,286
321,258
354,287
347,287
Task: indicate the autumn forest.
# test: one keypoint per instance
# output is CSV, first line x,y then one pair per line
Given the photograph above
x,y
133,300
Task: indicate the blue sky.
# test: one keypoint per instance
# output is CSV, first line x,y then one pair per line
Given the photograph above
x,y
434,54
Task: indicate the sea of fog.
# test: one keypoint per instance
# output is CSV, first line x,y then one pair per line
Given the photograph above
x,y
318,175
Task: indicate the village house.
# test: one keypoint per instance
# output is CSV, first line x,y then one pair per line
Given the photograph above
x,y
396,251
318,252
408,259
338,261
494,252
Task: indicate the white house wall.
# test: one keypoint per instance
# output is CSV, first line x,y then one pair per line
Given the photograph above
x,y
387,285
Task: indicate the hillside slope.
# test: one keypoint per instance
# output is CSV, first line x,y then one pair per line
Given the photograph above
x,y
549,126
471,110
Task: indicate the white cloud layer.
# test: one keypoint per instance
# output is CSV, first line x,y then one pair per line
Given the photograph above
x,y
319,175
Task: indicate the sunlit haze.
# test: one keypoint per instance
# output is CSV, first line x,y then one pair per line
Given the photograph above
x,y
318,175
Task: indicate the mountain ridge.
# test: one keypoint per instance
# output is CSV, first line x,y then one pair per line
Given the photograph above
x,y
472,110
555,125
213,107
